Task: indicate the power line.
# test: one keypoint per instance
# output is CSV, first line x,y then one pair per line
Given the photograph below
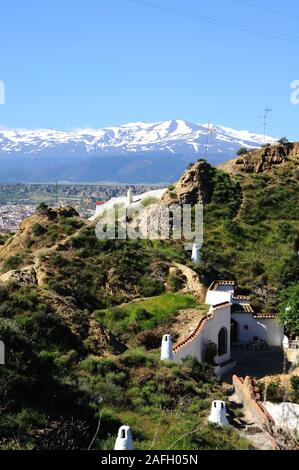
x,y
215,21
270,10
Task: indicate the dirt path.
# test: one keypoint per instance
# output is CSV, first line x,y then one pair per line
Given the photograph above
x,y
35,273
193,283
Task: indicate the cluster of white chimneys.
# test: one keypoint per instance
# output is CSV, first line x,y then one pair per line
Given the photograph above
x,y
124,439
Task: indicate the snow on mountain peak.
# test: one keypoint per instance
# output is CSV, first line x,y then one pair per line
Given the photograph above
x,y
174,136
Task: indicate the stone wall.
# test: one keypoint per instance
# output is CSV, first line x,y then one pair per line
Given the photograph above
x,y
248,393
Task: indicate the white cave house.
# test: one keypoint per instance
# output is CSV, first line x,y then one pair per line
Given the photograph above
x,y
231,320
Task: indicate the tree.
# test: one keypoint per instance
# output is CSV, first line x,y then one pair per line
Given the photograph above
x,y
283,141
288,308
42,208
210,352
242,151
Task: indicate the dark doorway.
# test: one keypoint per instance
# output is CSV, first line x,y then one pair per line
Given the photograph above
x,y
234,331
222,342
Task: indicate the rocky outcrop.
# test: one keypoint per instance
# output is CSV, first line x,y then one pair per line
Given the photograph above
x,y
26,275
101,341
192,283
263,160
53,214
96,338
193,187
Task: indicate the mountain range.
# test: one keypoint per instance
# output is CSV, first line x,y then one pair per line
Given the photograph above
x,y
131,153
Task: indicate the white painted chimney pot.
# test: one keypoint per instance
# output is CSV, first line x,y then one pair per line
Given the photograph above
x,y
124,439
166,348
195,257
218,413
2,353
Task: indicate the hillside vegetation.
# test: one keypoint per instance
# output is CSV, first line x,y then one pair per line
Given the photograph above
x,y
251,220
82,318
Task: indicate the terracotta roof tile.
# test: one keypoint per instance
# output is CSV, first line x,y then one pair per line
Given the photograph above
x,y
242,308
217,283
265,316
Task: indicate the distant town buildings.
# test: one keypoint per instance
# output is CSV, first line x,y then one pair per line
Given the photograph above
x,y
11,215
18,201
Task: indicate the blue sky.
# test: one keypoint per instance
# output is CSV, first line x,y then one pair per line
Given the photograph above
x,y
95,63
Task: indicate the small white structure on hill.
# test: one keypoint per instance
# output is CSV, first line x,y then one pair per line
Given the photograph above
x,y
124,439
166,348
218,413
127,200
195,257
2,353
129,197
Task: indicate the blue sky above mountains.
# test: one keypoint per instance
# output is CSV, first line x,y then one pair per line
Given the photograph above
x,y
73,64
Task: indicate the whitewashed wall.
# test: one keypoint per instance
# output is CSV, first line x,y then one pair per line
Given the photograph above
x,y
268,329
209,332
215,297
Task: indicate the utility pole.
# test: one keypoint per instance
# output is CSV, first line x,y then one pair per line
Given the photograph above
x,y
56,193
267,111
209,132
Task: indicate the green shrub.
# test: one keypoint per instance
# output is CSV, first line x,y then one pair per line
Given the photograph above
x,y
118,314
210,352
242,151
274,391
96,365
38,230
196,370
295,388
149,201
137,358
176,282
151,287
12,262
142,314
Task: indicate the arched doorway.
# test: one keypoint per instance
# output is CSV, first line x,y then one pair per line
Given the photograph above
x,y
234,331
222,342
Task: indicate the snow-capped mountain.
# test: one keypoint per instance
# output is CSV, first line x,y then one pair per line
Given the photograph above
x,y
139,151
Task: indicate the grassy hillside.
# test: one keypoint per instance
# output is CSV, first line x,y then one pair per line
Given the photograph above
x,y
53,380
251,220
82,318
257,245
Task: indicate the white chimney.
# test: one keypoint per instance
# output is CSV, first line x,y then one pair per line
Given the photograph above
x,y
218,413
195,257
2,353
124,439
129,197
166,348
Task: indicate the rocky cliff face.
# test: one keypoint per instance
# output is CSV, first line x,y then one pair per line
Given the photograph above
x,y
263,160
193,187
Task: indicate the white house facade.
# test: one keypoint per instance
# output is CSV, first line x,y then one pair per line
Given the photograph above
x,y
251,325
230,320
215,328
